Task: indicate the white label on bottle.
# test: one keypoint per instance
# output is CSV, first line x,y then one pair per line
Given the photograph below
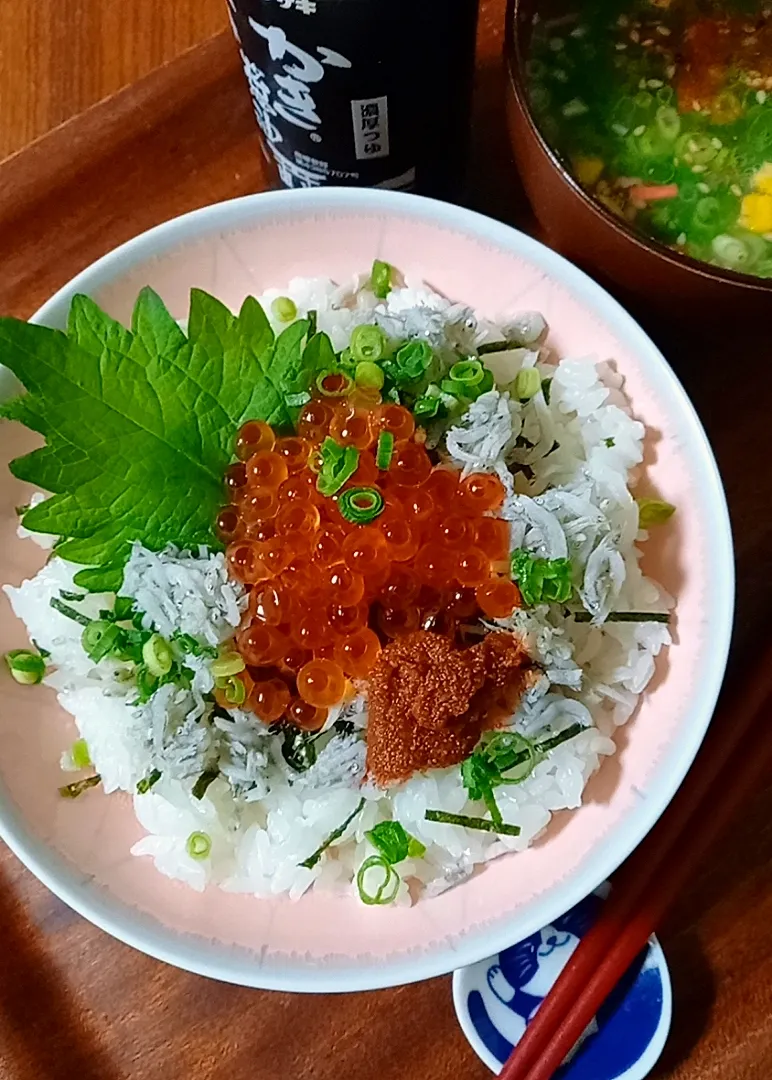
x,y
371,128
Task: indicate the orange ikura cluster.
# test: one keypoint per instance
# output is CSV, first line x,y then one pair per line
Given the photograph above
x,y
324,593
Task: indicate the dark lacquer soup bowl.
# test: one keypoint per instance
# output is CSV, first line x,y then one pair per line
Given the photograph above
x,y
642,269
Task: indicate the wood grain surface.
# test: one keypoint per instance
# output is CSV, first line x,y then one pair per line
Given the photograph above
x,y
76,1004
58,57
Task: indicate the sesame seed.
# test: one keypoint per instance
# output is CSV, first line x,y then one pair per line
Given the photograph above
x,y
642,84
639,130
703,187
647,42
736,190
623,21
575,107
716,143
663,30
619,129
693,146
681,239
655,84
578,32
670,71
635,36
699,168
620,46
761,96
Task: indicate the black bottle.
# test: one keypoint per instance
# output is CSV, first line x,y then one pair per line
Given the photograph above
x,y
372,93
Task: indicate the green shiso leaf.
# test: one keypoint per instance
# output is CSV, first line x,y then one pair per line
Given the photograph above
x,y
139,424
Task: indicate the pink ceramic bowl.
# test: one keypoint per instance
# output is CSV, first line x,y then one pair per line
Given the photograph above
x,y
80,849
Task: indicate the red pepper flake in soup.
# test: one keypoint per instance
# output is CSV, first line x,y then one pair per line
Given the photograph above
x,y
429,700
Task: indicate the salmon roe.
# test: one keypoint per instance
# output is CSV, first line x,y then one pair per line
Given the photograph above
x,y
326,594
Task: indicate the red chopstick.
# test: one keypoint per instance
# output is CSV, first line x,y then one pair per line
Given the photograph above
x,y
734,757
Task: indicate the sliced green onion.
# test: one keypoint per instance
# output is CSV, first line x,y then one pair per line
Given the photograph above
x,y
207,777
653,512
312,317
27,668
412,359
158,656
468,372
527,384
337,465
72,791
361,504
369,375
731,251
233,688
312,860
144,785
415,849
70,612
384,450
546,386
380,279
199,845
100,638
389,886
284,309
625,616
444,818
668,122
229,663
81,759
334,383
367,343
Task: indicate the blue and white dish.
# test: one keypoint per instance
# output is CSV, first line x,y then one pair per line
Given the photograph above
x,y
496,999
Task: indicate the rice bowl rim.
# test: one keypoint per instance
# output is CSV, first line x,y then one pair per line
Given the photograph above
x,y
231,964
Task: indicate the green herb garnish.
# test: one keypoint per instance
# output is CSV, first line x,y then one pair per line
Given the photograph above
x,y
337,465
394,843
81,759
653,512
380,279
409,364
139,424
144,785
384,450
527,384
27,668
541,581
100,638
72,791
312,860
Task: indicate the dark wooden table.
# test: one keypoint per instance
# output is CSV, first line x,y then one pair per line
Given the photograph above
x,y
76,1004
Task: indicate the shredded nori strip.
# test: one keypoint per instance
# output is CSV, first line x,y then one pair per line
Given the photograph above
x,y
625,616
207,777
444,818
312,860
70,612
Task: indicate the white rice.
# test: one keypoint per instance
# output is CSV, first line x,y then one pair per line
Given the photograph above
x,y
569,497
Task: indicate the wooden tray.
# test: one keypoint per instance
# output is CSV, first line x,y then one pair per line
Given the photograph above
x,y
76,1004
